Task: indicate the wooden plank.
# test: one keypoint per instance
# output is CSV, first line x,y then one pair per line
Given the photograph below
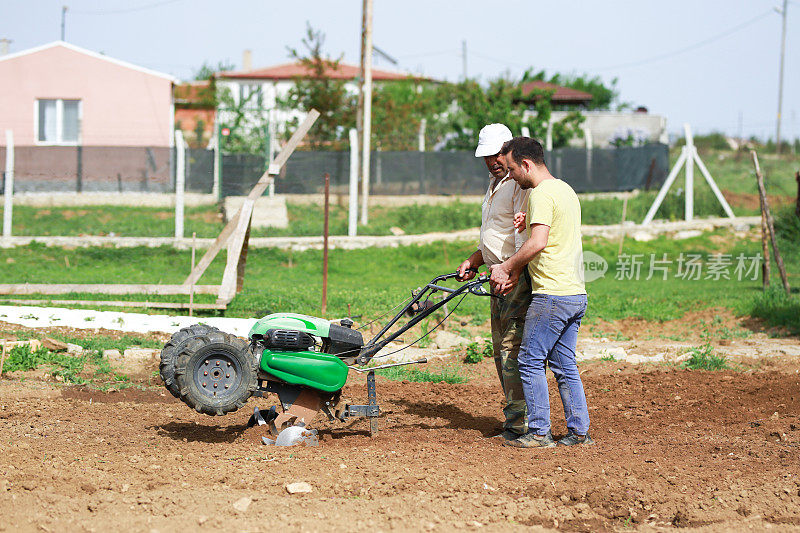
x,y
228,287
118,303
50,288
255,193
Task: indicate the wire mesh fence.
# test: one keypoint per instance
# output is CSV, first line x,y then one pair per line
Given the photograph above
x,y
450,173
151,169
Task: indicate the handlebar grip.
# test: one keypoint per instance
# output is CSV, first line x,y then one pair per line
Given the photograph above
x,y
471,269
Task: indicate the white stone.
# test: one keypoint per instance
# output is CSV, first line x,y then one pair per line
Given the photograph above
x,y
242,504
267,211
300,487
74,348
446,340
396,231
643,236
112,355
686,234
141,354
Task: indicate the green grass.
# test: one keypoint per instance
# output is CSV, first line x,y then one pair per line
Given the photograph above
x,y
704,357
450,374
371,281
737,174
69,368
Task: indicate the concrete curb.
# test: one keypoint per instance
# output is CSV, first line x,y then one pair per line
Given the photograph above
x,y
639,233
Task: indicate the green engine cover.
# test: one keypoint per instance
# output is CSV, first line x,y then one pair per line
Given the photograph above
x,y
313,369
310,324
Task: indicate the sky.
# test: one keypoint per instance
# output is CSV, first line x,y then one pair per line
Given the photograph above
x,y
711,63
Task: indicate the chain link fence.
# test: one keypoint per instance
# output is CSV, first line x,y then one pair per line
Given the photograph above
x,y
142,169
450,173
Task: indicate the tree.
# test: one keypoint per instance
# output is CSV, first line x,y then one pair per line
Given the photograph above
x,y
604,96
474,106
398,109
207,70
247,133
337,107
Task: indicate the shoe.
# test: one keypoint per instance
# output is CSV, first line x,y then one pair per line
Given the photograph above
x,y
573,438
506,435
532,440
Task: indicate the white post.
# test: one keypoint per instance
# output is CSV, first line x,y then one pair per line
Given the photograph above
x,y
421,138
526,131
271,153
8,192
180,182
689,192
664,188
548,141
352,218
367,114
217,155
587,135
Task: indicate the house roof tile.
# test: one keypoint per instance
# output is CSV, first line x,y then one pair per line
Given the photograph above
x,y
291,71
561,94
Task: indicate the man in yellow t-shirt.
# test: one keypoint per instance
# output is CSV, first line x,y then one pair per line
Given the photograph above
x,y
553,254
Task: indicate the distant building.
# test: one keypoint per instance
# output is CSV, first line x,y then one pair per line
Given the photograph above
x,y
263,87
85,121
60,94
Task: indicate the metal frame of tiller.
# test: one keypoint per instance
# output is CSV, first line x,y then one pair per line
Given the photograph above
x,y
418,310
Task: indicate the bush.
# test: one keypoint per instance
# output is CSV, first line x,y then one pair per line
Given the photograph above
x,y
704,358
474,354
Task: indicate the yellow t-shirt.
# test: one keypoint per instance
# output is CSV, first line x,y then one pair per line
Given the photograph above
x,y
558,269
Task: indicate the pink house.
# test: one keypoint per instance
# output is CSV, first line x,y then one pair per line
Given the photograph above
x,y
83,121
63,95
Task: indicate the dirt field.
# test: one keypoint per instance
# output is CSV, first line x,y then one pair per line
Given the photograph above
x,y
718,451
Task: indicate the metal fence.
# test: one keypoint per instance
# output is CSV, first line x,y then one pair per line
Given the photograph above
x,y
106,169
142,169
450,173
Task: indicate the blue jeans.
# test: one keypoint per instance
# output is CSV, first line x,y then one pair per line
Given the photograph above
x,y
549,339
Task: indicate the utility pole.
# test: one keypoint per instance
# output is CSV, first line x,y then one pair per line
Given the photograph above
x,y
464,57
367,113
63,21
360,81
780,77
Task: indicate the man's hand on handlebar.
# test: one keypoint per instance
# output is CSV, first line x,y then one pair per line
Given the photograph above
x,y
466,271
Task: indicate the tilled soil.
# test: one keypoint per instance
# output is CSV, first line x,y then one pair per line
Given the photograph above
x,y
718,451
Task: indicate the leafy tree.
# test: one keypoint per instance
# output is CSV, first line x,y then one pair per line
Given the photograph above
x,y
398,109
502,101
329,96
205,96
247,133
604,96
208,70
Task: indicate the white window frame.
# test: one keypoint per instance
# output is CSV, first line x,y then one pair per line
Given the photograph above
x,y
59,123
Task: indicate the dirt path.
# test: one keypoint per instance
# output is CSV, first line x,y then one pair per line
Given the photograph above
x,y
675,448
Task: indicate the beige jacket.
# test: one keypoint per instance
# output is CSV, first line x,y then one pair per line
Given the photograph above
x,y
499,239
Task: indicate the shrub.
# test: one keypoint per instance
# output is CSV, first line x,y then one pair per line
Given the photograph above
x,y
704,358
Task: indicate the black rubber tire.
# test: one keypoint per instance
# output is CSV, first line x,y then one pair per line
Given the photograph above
x,y
216,373
175,345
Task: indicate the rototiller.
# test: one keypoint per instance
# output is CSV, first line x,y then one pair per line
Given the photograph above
x,y
304,360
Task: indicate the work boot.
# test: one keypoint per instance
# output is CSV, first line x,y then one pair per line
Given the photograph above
x,y
532,440
506,435
573,438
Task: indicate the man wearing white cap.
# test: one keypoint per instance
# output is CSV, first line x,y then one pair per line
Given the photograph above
x,y
498,242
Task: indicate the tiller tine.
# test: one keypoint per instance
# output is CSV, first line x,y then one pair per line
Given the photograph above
x,y
258,418
289,427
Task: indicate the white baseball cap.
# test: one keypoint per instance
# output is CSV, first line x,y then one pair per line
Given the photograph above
x,y
491,139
